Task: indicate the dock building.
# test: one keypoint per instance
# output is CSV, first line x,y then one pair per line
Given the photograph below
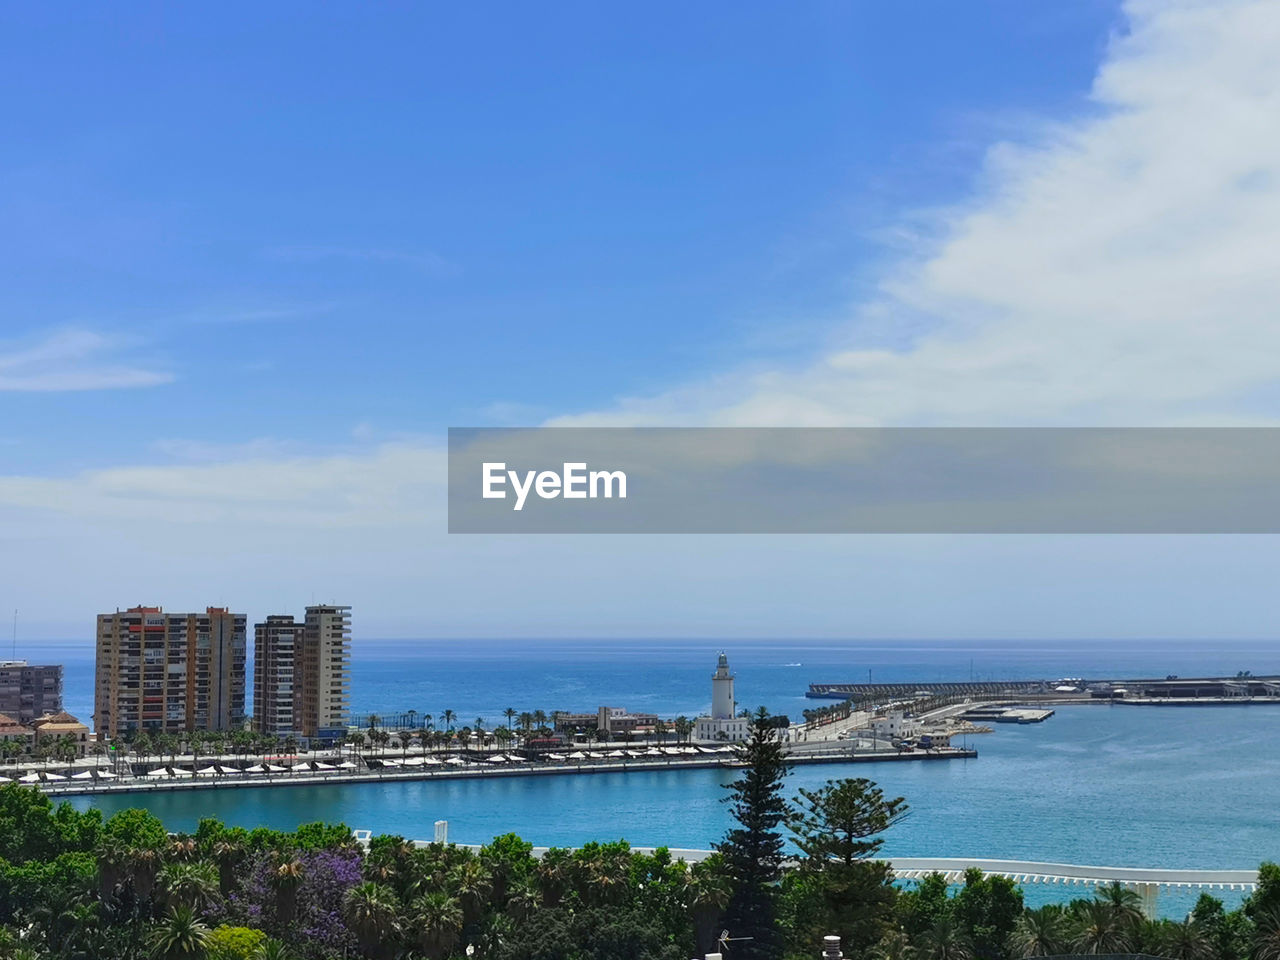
x,y
612,720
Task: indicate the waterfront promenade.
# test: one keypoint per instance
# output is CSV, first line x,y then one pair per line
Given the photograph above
x,y
216,776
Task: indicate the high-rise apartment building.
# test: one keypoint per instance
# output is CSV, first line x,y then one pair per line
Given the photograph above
x,y
277,644
29,691
302,674
326,672
169,672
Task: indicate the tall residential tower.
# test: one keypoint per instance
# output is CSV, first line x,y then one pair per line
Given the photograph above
x,y
276,645
169,672
302,674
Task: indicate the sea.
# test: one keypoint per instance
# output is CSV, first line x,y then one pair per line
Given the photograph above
x,y
1170,787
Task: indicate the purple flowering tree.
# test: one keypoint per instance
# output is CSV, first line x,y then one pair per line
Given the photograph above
x,y
315,927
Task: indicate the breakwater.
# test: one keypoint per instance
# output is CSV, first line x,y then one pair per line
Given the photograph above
x,y
1243,688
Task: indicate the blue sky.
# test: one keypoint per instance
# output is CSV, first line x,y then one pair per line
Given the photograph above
x,y
255,260
319,219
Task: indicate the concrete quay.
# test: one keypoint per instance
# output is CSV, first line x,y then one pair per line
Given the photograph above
x,y
804,754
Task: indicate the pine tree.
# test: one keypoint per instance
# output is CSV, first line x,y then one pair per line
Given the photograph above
x,y
752,851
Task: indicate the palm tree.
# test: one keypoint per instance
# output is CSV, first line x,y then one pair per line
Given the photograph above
x,y
892,946
190,885
1101,929
447,719
1124,903
479,731
437,921
142,864
183,847
273,949
945,940
142,746
524,897
510,714
609,878
370,910
228,855
1266,937
1039,933
683,727
1185,940
540,719
555,872
707,893
474,884
285,878
181,934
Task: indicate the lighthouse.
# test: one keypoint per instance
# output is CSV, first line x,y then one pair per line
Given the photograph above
x,y
722,702
723,724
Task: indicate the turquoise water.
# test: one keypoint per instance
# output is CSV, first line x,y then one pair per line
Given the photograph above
x,y
1157,787
1139,786
1176,786
1189,787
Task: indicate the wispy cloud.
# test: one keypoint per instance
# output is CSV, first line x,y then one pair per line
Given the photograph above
x,y
74,359
1118,268
256,485
202,451
425,261
261,314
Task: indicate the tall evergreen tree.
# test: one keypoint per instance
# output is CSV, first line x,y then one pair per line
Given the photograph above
x,y
752,851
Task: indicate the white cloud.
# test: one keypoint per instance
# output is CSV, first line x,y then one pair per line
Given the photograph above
x,y
72,360
1117,269
395,486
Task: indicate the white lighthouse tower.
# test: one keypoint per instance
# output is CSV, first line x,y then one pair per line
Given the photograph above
x,y
723,724
722,702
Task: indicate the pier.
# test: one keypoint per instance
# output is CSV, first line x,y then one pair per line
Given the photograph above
x,y
1241,689
992,713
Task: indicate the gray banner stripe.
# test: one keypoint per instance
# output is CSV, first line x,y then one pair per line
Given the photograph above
x,y
864,480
